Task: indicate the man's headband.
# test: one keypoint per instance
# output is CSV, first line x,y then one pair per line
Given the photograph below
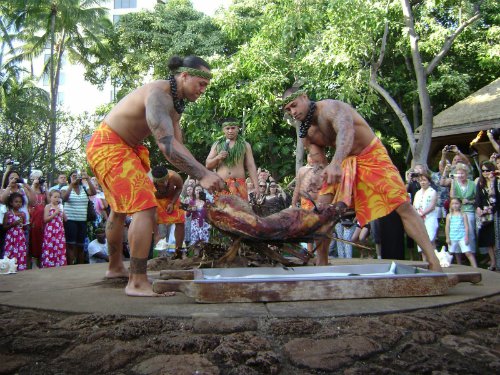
x,y
157,180
194,72
230,123
290,98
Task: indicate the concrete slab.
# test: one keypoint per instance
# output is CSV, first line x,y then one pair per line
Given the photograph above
x,y
82,289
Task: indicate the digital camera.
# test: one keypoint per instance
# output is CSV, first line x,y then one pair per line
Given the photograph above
x,y
414,175
448,148
11,162
495,132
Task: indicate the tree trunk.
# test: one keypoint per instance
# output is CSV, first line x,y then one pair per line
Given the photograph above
x,y
424,142
53,98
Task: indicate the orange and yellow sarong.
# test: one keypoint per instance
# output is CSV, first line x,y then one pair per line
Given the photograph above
x,y
306,204
121,170
370,182
236,186
175,217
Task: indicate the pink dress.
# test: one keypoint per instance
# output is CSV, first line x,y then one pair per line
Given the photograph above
x,y
15,240
54,243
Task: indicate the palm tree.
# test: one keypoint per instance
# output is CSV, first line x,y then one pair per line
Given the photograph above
x,y
72,27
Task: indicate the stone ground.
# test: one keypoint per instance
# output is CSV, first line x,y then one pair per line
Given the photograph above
x,y
458,339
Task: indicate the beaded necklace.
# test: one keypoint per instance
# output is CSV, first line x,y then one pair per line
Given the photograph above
x,y
179,104
304,127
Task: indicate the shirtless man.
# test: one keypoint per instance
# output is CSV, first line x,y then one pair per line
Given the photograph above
x,y
308,183
231,156
120,161
309,179
361,173
168,186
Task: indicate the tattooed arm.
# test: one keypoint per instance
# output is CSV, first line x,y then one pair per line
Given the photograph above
x,y
158,109
343,124
340,116
159,105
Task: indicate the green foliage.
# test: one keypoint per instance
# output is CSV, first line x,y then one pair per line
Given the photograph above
x,y
143,42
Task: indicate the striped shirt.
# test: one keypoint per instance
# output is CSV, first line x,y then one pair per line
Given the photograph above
x,y
457,227
76,206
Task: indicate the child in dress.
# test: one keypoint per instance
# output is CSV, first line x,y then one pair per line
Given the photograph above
x,y
14,222
425,203
54,242
457,228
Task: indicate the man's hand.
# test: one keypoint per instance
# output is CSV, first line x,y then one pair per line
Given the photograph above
x,y
170,208
222,155
212,182
332,173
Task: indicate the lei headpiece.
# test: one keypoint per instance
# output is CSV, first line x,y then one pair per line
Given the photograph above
x,y
290,98
160,179
230,123
194,72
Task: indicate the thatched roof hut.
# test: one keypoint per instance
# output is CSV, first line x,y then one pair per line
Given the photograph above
x,y
460,124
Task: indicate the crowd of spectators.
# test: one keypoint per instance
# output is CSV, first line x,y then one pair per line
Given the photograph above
x,y
49,226
475,203
46,226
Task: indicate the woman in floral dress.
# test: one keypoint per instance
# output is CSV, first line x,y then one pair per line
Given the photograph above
x,y
199,226
54,242
14,222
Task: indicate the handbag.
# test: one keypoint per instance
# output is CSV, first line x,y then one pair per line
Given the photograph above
x,y
91,213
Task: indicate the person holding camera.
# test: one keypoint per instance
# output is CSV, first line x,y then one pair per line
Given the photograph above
x,y
12,183
36,213
75,197
486,209
494,137
449,169
168,186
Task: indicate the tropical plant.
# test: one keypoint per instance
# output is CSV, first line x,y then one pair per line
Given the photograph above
x,y
70,28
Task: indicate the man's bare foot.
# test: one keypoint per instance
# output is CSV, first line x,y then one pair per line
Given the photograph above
x,y
145,291
117,274
436,267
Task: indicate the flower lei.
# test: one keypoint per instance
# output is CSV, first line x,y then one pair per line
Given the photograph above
x,y
235,153
304,127
179,104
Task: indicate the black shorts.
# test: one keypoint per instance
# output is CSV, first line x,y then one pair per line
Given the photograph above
x,y
75,231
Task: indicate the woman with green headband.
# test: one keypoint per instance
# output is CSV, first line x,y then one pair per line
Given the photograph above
x,y
120,161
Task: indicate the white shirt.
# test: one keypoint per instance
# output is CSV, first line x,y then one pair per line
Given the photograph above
x,y
97,247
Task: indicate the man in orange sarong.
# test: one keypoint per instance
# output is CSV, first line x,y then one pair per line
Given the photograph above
x,y
360,171
231,156
120,162
168,186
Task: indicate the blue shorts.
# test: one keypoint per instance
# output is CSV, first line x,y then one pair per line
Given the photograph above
x,y
75,231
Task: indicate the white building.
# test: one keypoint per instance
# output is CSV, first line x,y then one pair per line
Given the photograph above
x,y
75,94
